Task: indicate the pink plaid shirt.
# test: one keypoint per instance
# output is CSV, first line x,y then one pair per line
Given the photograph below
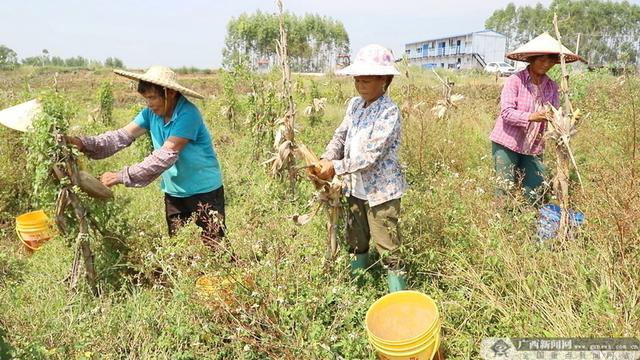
x,y
521,97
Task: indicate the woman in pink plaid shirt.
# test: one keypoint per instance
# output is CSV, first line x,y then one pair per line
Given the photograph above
x,y
517,137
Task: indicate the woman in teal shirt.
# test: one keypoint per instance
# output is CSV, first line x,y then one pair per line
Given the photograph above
x,y
183,157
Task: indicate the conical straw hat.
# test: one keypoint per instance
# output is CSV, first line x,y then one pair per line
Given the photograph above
x,y
160,75
543,44
21,116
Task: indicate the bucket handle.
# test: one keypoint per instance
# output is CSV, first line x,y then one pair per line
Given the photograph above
x,y
24,242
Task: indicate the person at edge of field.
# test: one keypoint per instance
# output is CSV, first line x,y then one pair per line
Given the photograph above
x,y
517,137
364,151
183,157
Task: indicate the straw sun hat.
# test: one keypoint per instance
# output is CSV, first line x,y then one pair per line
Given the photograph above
x,y
160,75
371,60
543,44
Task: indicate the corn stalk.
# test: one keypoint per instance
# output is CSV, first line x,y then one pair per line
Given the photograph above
x,y
68,175
562,126
327,196
51,156
284,144
448,101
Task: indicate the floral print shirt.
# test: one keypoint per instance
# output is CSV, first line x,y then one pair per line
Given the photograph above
x,y
378,158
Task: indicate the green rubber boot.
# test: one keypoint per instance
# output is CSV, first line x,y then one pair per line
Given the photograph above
x,y
359,261
396,280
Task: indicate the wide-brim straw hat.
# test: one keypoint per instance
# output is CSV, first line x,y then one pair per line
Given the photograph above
x,y
20,117
372,59
160,75
543,44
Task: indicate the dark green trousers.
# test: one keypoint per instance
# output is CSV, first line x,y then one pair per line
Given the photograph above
x,y
512,168
378,223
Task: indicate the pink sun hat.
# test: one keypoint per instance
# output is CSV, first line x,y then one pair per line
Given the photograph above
x,y
372,59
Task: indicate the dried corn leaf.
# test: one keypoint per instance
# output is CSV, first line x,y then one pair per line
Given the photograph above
x,y
439,110
93,187
456,98
306,218
327,196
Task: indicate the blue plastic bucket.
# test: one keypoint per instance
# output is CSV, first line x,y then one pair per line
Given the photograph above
x,y
549,221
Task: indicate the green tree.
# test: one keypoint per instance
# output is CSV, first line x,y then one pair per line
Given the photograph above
x,y
57,61
314,41
609,31
113,62
8,57
45,57
77,61
117,63
32,60
105,99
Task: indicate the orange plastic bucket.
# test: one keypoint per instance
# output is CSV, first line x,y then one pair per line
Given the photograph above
x,y
33,229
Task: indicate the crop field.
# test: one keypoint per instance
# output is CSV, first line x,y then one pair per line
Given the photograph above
x,y
280,298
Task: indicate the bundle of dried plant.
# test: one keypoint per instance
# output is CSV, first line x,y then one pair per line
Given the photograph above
x,y
562,126
448,101
327,195
316,107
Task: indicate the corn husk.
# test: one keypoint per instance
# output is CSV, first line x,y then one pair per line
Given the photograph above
x,y
317,106
93,187
448,101
561,128
283,144
327,195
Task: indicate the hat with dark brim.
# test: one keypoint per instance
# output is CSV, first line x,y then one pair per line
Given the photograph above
x,y
543,44
160,75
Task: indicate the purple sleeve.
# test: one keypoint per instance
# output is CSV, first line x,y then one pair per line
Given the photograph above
x,y
555,97
143,173
104,145
509,104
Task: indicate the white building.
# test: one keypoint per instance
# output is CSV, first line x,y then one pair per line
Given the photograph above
x,y
468,51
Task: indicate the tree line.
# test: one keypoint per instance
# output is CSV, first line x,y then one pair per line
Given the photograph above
x,y
608,31
314,41
9,59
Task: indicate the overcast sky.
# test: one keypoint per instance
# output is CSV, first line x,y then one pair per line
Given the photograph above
x,y
191,32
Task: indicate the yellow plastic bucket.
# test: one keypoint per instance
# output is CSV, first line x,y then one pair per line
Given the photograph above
x,y
33,229
427,351
215,289
404,325
408,346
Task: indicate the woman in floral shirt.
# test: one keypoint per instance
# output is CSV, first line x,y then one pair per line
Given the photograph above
x,y
365,151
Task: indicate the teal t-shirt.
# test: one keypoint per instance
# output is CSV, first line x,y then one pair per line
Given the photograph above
x,y
197,170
